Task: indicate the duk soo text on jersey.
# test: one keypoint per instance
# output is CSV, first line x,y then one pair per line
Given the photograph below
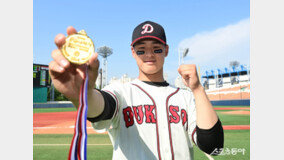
x,y
146,114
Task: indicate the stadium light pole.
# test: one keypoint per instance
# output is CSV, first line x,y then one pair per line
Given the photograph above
x,y
185,52
105,51
101,78
181,54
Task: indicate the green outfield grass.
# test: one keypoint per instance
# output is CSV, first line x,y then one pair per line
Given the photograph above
x,y
59,144
46,110
61,152
228,119
56,146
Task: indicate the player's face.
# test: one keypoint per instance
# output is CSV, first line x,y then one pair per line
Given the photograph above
x,y
150,55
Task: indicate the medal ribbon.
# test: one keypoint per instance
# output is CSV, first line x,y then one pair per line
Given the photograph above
x,y
78,148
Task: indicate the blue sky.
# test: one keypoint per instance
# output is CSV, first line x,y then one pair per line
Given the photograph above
x,y
216,32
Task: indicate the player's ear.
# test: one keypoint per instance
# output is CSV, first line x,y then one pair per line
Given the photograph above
x,y
166,50
133,52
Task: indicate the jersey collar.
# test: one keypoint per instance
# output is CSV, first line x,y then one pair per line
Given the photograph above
x,y
158,84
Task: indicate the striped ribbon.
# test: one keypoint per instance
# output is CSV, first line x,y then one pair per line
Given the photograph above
x,y
78,148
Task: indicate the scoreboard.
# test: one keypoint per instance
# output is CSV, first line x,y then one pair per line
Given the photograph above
x,y
41,76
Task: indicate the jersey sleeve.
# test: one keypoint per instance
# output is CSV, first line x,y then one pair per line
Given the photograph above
x,y
113,122
191,117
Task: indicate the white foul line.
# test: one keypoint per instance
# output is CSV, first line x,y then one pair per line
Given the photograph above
x,y
209,157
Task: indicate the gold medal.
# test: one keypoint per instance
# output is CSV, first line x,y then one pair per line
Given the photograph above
x,y
78,48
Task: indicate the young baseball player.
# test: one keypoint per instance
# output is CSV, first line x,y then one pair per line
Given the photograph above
x,y
146,118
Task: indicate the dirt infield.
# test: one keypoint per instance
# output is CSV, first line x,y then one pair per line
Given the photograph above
x,y
237,112
236,127
64,122
56,123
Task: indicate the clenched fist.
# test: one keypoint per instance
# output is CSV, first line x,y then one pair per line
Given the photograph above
x,y
189,76
67,77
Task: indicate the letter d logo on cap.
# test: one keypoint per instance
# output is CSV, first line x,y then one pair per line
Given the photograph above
x,y
147,28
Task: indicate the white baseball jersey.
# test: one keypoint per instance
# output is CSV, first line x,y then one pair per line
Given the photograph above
x,y
150,122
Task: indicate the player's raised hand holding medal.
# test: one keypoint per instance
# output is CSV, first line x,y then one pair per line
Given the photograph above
x,y
78,48
73,63
66,74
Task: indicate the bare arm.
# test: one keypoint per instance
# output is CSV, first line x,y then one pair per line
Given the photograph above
x,y
206,116
205,113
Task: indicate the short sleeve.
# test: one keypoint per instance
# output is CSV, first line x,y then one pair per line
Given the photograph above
x,y
104,125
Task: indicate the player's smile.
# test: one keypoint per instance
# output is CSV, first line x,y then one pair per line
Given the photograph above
x,y
150,62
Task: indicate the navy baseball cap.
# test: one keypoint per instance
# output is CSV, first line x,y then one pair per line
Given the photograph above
x,y
149,29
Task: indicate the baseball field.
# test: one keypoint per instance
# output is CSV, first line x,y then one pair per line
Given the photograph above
x,y
53,131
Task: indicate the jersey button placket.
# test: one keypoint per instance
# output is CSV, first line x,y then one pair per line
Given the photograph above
x,y
166,148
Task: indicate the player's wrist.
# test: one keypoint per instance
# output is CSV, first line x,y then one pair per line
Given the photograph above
x,y
198,89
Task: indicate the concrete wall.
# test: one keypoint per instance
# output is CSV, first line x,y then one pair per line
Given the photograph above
x,y
59,104
244,102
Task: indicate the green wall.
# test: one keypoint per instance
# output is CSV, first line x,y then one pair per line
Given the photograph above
x,y
39,94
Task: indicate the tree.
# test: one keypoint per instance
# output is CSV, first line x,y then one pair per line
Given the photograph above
x,y
234,64
57,95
